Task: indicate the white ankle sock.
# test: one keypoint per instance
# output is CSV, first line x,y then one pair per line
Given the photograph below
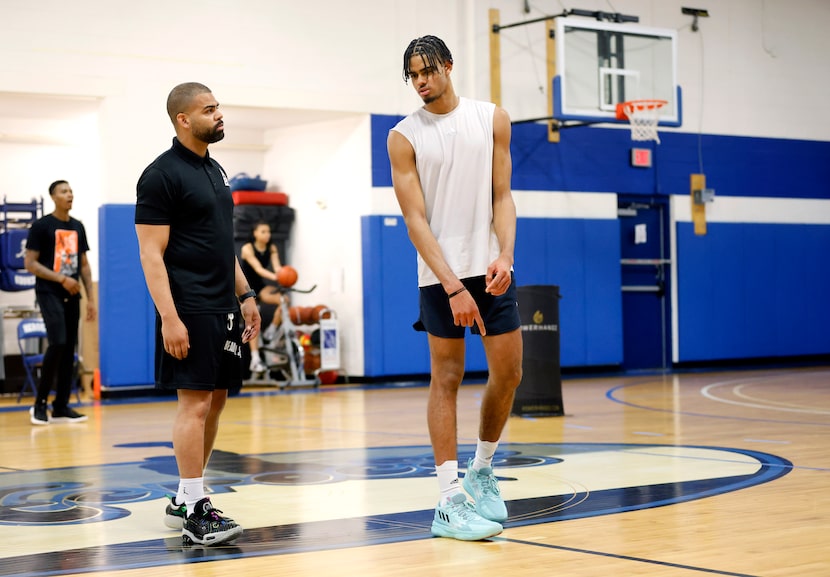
x,y
484,454
191,491
447,473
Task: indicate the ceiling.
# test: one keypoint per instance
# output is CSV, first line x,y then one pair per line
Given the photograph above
x,y
46,107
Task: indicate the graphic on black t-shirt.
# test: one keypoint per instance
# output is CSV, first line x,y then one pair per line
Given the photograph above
x,y
66,252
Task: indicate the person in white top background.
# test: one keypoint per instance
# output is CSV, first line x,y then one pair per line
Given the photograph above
x,y
451,170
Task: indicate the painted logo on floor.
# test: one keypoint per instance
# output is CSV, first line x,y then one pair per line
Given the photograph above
x,y
312,500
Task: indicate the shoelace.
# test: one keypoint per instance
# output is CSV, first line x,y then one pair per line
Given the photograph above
x,y
465,510
214,514
487,483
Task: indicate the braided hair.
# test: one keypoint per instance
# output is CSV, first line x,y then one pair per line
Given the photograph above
x,y
431,49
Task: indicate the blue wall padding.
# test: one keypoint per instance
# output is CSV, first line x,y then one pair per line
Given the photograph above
x,y
579,256
753,290
390,304
595,159
390,300
380,126
126,314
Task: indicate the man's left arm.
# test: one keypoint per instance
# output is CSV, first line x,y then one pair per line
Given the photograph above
x,y
504,209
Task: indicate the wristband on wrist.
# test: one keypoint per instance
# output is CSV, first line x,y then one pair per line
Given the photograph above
x,y
458,292
245,296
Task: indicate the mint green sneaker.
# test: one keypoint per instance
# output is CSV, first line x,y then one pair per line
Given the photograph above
x,y
484,489
458,520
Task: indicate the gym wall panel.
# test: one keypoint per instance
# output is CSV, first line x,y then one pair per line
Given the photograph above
x,y
380,126
390,300
753,291
581,257
126,314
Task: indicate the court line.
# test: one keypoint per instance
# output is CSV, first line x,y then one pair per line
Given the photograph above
x,y
739,392
761,404
609,394
623,557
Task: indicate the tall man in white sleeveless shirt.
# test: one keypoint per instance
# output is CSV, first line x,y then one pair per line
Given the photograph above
x,y
451,171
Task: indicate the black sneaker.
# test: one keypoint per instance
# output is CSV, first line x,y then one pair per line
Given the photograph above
x,y
174,515
67,415
205,526
38,414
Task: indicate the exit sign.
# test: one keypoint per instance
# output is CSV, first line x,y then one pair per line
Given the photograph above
x,y
641,157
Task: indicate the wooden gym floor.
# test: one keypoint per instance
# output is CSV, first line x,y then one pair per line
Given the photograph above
x,y
689,474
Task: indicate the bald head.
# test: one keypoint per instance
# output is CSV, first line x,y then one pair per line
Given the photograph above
x,y
181,97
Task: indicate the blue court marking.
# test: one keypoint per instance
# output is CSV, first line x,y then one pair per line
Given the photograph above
x,y
71,502
611,395
624,557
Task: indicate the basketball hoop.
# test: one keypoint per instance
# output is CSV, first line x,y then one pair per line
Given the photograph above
x,y
643,116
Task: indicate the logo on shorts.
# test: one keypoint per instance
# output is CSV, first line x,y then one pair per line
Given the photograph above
x,y
233,348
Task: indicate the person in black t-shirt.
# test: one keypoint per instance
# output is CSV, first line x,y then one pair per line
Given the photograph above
x,y
56,254
184,224
257,256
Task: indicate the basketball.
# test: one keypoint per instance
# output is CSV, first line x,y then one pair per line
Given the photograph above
x,y
296,315
327,377
287,276
317,312
307,315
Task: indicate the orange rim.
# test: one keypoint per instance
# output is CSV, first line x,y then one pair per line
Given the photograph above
x,y
649,103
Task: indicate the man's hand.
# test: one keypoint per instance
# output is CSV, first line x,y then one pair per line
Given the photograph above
x,y
465,311
250,313
71,286
90,312
498,277
176,338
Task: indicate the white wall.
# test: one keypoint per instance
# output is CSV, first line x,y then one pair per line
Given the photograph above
x,y
331,195
297,81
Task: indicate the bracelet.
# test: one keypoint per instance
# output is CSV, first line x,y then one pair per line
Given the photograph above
x,y
458,292
245,296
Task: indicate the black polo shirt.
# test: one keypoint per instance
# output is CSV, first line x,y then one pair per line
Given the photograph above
x,y
191,194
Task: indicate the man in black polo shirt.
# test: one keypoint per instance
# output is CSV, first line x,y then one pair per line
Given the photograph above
x,y
184,223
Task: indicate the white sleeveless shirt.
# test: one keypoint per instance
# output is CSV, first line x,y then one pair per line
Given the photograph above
x,y
454,159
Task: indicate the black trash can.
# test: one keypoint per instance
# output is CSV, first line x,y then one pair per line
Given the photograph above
x,y
540,392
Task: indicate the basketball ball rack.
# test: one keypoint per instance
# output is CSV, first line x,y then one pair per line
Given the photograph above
x,y
284,356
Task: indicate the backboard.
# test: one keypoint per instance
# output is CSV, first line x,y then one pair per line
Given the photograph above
x,y
599,64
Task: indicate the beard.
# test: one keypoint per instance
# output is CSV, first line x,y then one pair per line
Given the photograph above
x,y
210,135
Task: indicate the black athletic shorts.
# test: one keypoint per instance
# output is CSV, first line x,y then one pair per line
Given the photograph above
x,y
214,360
499,313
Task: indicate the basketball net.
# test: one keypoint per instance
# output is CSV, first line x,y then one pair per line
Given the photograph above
x,y
643,116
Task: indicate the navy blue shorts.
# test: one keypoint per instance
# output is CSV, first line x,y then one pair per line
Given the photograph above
x,y
499,313
214,360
